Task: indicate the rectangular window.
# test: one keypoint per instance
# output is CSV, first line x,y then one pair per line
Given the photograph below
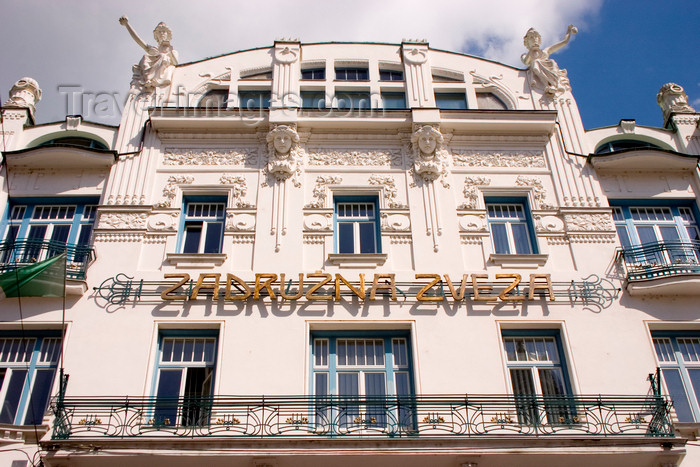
x,y
393,100
537,371
314,74
451,100
27,372
203,224
185,378
357,225
511,231
254,99
678,355
353,100
390,75
351,74
313,100
363,368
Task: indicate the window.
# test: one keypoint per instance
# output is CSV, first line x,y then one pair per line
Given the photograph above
x,y
362,368
37,231
511,230
390,75
451,100
394,100
215,99
254,99
75,141
535,368
351,74
185,378
356,225
353,100
27,371
624,144
203,224
678,355
639,225
490,101
313,100
314,73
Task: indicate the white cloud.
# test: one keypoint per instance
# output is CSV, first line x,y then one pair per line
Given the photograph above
x,y
81,42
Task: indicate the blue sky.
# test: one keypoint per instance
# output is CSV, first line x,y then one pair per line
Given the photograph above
x,y
624,52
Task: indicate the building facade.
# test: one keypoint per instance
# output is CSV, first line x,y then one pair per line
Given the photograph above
x,y
351,254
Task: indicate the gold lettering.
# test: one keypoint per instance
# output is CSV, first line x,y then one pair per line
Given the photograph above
x,y
165,295
201,285
269,279
504,293
229,281
326,279
299,293
420,295
547,286
391,285
359,292
481,288
457,296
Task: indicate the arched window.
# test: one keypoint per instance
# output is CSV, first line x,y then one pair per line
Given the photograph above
x,y
624,144
75,141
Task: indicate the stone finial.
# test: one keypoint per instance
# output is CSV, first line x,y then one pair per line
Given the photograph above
x,y
673,99
24,93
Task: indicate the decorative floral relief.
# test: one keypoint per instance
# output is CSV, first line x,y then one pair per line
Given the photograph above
x,y
318,222
498,159
320,192
211,157
537,188
390,191
238,189
588,222
355,158
170,189
473,223
396,222
240,222
123,220
163,222
549,224
471,192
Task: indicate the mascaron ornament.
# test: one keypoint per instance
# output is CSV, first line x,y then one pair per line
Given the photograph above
x,y
429,155
284,152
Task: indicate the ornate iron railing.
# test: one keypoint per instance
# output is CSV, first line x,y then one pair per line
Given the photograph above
x,y
383,417
18,253
661,259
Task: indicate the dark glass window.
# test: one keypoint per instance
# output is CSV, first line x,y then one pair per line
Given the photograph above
x,y
254,99
351,74
390,75
450,100
314,73
393,100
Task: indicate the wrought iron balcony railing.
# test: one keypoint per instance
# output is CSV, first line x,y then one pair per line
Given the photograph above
x,y
18,253
379,417
662,259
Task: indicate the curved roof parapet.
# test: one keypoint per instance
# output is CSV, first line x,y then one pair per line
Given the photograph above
x,y
644,159
64,156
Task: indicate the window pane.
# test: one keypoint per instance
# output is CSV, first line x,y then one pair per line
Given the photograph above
x,y
346,241
552,382
167,397
522,381
669,234
348,384
450,101
193,235
39,400
675,387
646,234
521,239
213,241
367,237
623,236
375,389
500,238
13,395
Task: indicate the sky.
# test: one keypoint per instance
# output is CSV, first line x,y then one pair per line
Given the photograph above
x,y
624,52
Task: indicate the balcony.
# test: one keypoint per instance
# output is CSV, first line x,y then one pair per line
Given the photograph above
x,y
18,253
663,267
303,417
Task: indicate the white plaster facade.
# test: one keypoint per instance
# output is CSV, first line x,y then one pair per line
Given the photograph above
x,y
429,180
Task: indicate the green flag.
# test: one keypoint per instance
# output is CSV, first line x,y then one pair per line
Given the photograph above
x,y
42,279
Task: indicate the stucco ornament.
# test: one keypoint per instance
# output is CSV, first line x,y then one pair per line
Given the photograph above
x,y
156,68
390,190
238,189
429,155
25,93
538,190
287,54
673,99
471,191
163,221
321,191
170,189
123,220
284,154
543,71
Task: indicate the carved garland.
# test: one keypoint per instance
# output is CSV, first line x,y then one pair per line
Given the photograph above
x,y
471,192
238,189
390,191
498,159
538,190
320,192
123,220
170,189
355,158
212,157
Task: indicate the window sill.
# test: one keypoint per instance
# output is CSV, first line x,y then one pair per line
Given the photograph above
x,y
196,260
362,260
518,261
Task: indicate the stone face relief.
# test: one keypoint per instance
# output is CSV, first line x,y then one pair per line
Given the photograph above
x,y
284,154
429,155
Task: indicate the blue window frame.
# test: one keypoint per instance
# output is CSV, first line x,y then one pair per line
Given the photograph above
x,y
536,367
313,100
652,223
510,226
362,368
27,371
254,99
314,74
42,228
678,355
357,225
184,377
353,100
351,74
390,75
451,100
202,224
394,100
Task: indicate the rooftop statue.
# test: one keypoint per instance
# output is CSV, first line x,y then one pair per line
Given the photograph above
x,y
542,69
673,99
158,63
